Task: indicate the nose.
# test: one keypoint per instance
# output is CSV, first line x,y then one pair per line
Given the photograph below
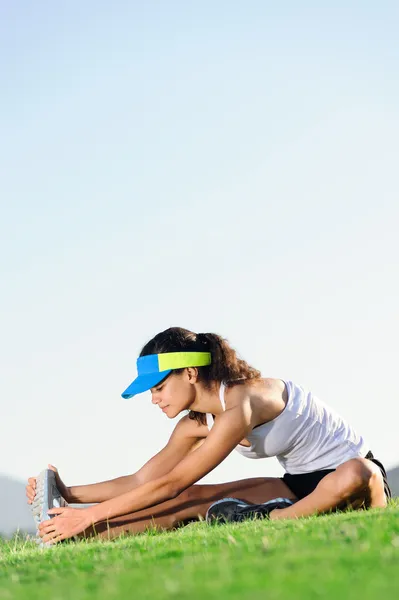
x,y
155,399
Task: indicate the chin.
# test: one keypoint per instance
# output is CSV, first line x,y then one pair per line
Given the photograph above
x,y
171,414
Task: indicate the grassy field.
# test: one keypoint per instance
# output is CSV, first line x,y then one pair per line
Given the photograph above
x,y
349,556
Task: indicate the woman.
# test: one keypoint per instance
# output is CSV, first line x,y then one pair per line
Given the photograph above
x,y
328,465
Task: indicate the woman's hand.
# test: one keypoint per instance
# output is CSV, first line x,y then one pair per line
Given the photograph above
x,y
64,490
31,487
67,523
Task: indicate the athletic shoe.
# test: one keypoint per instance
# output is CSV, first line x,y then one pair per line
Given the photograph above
x,y
232,510
47,496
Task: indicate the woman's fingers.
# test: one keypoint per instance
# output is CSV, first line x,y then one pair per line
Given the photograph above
x,y
53,538
31,496
31,489
46,527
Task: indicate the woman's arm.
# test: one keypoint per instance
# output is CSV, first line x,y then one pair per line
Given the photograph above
x,y
229,429
184,438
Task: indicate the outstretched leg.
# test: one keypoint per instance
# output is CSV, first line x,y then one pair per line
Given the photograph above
x,y
190,505
357,482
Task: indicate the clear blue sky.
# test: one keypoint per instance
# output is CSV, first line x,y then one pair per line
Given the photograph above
x,y
222,166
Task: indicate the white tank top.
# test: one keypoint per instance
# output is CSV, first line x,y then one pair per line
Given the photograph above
x,y
307,436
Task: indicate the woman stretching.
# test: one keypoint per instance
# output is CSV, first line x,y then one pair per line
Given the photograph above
x,y
328,465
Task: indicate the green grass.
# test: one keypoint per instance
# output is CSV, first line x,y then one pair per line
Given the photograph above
x,y
350,556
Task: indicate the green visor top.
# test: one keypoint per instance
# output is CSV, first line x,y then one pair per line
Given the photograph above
x,y
151,369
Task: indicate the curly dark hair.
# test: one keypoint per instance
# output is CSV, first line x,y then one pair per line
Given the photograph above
x,y
225,367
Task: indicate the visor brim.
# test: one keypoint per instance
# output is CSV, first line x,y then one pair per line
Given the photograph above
x,y
143,383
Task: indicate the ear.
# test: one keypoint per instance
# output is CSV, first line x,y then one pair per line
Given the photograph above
x,y
192,374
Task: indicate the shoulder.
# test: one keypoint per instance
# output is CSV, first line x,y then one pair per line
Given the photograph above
x,y
265,388
189,428
259,401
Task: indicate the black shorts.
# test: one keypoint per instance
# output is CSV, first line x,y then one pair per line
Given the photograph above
x,y
304,484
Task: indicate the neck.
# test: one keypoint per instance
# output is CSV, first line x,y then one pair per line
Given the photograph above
x,y
207,401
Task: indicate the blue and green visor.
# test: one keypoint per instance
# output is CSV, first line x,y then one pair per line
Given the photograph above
x,y
151,369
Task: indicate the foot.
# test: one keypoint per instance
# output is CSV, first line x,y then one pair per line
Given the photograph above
x,y
47,496
232,510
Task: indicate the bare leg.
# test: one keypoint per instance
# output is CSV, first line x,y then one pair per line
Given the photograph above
x,y
357,482
190,505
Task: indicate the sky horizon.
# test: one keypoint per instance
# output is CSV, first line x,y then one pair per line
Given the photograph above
x,y
215,166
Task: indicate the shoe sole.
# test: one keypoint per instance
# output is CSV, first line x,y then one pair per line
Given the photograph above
x,y
47,496
243,504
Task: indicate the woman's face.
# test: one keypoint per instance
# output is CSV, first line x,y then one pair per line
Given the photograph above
x,y
175,393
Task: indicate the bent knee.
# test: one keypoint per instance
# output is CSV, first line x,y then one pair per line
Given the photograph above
x,y
360,474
